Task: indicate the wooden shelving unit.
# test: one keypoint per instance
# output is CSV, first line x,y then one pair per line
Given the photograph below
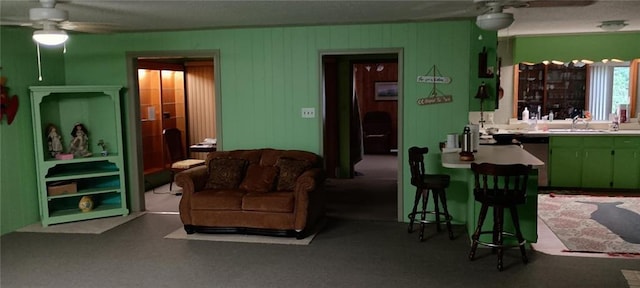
x,y
553,87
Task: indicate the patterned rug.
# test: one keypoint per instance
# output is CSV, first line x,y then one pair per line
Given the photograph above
x,y
595,224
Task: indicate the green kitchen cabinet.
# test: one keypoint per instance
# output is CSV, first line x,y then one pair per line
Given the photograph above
x,y
94,178
626,162
597,161
565,157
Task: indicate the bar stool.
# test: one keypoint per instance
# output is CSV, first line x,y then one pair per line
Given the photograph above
x,y
424,183
506,189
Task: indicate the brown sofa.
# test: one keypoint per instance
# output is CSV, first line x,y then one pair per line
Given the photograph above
x,y
261,191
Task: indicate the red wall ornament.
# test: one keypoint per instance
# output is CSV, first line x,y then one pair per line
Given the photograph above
x,y
8,105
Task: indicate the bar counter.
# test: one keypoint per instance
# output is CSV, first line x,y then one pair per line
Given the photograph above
x,y
465,209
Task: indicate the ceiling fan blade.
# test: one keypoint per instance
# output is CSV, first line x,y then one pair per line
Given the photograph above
x,y
9,22
559,3
448,10
88,27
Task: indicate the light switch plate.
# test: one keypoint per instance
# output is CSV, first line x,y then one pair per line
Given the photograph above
x,y
308,112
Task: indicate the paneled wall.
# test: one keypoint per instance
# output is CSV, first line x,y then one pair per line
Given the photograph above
x,y
201,103
366,75
162,106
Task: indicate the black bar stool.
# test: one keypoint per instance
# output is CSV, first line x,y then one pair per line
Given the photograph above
x,y
425,183
507,189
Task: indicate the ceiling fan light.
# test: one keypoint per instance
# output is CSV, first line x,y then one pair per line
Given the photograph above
x,y
50,37
494,21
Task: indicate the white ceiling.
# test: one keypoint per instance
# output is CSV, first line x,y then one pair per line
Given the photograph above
x,y
160,15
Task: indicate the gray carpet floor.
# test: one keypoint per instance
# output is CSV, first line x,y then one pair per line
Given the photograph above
x,y
348,252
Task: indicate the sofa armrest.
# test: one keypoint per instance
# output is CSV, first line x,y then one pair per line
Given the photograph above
x,y
191,181
309,198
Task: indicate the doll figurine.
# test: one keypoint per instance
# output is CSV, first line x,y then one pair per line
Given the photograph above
x,y
54,140
80,143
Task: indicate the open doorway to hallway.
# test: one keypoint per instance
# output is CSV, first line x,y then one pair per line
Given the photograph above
x,y
189,105
361,107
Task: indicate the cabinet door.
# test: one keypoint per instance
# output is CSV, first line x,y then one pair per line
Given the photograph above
x,y
597,161
626,168
566,167
596,168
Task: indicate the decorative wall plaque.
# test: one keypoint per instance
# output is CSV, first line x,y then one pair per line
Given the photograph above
x,y
435,96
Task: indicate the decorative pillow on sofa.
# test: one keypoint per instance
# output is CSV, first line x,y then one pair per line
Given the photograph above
x,y
259,178
290,169
225,173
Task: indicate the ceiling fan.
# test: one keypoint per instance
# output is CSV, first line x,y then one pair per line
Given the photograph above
x,y
51,22
493,18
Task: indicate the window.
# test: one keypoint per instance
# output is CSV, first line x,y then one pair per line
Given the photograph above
x,y
608,88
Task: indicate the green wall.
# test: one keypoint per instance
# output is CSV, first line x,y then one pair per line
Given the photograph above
x,y
266,76
595,47
18,59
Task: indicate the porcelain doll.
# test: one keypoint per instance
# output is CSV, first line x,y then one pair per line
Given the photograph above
x,y
80,144
54,140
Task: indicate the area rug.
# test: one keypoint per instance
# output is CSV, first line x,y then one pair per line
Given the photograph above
x,y
594,224
244,238
94,226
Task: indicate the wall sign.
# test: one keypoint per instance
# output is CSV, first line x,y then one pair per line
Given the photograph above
x,y
434,79
436,96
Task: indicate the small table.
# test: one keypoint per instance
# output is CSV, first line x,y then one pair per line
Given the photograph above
x,y
203,147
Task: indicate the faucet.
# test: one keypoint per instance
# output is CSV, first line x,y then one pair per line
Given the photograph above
x,y
578,119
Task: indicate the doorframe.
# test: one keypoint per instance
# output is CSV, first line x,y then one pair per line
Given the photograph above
x,y
400,155
133,147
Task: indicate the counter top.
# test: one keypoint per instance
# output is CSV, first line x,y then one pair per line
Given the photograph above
x,y
581,132
497,154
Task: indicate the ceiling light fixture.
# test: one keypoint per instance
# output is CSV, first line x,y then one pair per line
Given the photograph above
x,y
613,25
557,62
494,21
50,37
585,61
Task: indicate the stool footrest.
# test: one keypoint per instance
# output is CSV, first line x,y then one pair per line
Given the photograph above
x,y
443,217
494,245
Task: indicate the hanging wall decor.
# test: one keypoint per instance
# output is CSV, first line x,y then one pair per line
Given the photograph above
x,y
435,96
8,105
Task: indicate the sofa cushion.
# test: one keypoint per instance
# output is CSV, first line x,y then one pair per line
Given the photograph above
x,y
259,178
290,169
225,173
268,202
217,199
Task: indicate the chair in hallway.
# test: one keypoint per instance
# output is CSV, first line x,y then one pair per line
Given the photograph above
x,y
499,187
376,130
177,155
425,183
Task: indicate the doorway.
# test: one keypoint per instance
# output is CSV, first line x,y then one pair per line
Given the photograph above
x,y
198,114
362,183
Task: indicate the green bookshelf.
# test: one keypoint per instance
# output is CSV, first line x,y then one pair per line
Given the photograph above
x,y
97,175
